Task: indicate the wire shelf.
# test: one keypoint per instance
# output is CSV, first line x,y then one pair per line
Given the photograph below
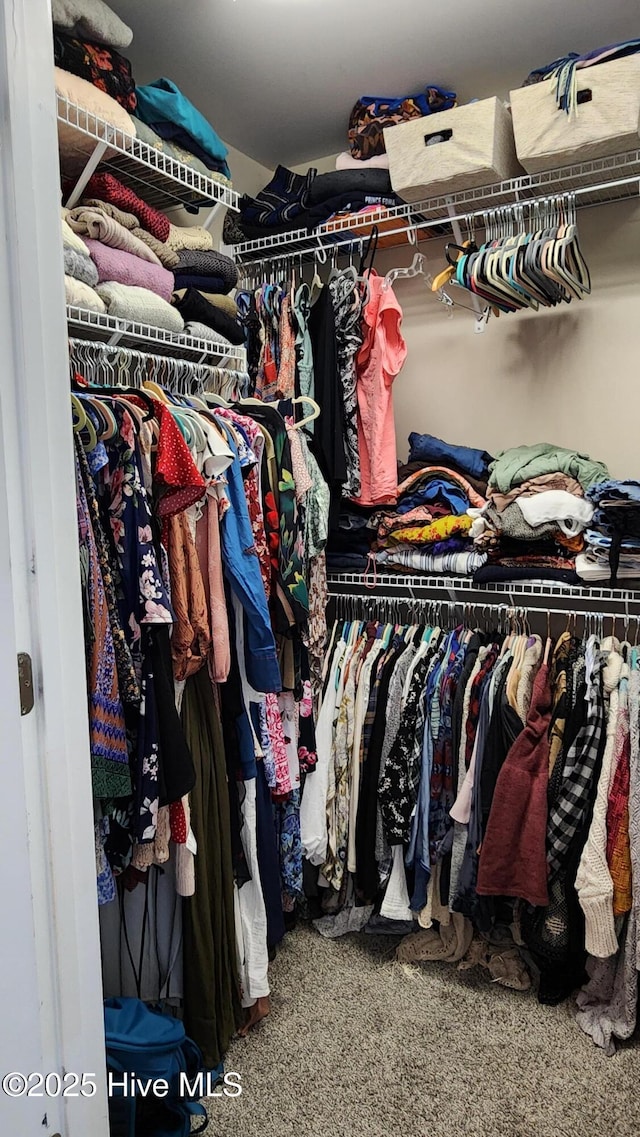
x,y
463,589
90,325
162,181
598,182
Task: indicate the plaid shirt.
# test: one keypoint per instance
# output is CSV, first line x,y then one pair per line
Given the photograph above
x,y
569,812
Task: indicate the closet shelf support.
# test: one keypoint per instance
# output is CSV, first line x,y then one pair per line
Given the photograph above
x,y
88,171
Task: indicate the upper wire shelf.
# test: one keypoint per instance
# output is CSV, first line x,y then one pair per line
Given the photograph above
x,y
597,182
417,587
98,326
162,181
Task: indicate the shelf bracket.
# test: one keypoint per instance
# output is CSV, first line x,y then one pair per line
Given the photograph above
x,y
90,168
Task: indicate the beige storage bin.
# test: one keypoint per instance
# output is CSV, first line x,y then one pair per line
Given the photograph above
x,y
478,150
605,121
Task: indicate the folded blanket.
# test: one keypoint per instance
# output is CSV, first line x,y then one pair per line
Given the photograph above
x,y
330,185
74,145
203,332
93,20
107,188
71,238
209,263
124,268
173,150
129,221
99,65
80,295
346,161
194,280
80,266
93,223
191,237
521,463
218,299
163,106
139,305
193,306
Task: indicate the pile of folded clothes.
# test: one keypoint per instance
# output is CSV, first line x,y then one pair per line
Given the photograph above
x,y
145,269
372,114
538,508
612,548
304,201
428,530
87,38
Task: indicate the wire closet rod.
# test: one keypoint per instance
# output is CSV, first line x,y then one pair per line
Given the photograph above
x,y
372,600
414,224
163,362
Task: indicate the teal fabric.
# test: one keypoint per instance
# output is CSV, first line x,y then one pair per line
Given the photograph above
x,y
161,101
517,465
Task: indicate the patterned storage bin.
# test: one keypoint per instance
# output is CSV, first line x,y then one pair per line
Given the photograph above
x,y
605,122
453,150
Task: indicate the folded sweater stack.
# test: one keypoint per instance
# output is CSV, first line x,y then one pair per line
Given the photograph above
x,y
533,524
612,545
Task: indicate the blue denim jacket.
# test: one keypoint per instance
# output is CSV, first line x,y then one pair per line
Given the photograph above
x,y
242,570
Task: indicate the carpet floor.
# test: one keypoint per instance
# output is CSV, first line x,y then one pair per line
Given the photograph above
x,y
357,1044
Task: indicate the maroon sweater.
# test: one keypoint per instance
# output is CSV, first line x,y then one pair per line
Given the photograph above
x,y
513,860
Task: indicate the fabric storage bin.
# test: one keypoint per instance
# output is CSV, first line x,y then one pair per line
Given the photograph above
x,y
606,120
477,149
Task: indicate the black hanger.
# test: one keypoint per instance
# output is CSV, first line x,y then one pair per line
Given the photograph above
x,y
370,251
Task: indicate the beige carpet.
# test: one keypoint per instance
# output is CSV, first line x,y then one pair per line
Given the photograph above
x,y
359,1045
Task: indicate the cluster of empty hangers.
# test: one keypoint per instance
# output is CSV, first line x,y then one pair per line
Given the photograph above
x,y
113,366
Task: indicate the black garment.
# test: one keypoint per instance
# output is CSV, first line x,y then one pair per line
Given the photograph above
x,y
504,727
499,573
177,774
268,860
367,881
194,306
320,213
368,181
457,710
328,443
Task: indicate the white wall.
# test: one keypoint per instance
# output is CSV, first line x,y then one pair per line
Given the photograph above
x,y
569,375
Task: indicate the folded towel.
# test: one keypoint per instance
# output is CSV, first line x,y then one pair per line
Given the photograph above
x,y
210,263
124,268
193,307
163,106
185,280
140,305
70,237
346,161
129,221
107,188
227,303
97,64
80,266
80,295
93,223
191,237
93,20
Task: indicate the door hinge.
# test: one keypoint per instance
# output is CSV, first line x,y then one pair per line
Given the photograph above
x,y
25,682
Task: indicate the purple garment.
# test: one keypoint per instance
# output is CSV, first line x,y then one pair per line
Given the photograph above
x,y
125,268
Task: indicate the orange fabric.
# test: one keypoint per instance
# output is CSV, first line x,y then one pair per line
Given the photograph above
x,y
191,639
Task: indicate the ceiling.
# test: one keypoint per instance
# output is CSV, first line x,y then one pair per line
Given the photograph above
x,y
278,78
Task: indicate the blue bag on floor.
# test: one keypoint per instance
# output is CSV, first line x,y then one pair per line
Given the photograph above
x,y
146,1044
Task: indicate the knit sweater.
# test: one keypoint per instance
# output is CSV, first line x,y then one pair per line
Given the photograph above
x,y
191,237
107,188
129,221
593,880
618,847
131,303
96,224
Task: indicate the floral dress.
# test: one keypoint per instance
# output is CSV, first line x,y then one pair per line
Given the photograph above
x,y
143,601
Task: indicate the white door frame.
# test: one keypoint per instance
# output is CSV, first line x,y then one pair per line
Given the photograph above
x,y
50,975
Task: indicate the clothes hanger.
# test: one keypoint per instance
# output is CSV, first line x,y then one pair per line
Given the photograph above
x,y
315,410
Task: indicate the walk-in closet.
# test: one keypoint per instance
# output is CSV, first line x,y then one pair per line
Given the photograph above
x,y
320,566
